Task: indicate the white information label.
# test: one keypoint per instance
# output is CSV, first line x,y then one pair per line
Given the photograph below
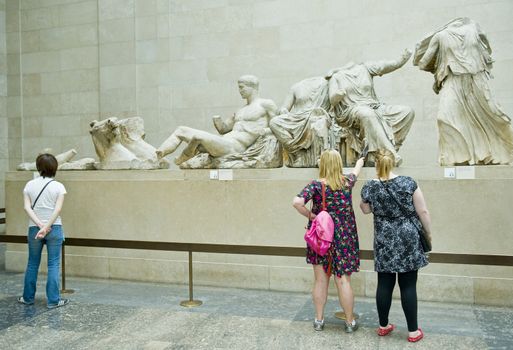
x,y
450,173
214,175
465,172
225,174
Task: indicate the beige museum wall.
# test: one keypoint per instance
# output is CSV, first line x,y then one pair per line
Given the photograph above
x,y
176,62
469,216
4,158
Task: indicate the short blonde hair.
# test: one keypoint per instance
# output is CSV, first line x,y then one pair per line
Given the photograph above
x,y
330,168
385,161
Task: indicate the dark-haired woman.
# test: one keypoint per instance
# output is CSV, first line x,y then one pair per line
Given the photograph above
x,y
399,210
43,199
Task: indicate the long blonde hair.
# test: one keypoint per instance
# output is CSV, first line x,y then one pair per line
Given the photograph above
x,y
330,169
385,161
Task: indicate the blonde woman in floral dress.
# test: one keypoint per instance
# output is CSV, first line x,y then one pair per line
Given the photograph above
x,y
342,258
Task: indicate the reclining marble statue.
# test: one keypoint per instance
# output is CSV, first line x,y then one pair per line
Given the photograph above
x,y
472,127
64,160
244,140
119,143
357,108
304,126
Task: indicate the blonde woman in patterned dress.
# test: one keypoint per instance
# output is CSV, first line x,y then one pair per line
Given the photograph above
x,y
398,253
342,258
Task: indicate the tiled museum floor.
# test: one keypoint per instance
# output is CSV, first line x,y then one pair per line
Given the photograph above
x,y
108,314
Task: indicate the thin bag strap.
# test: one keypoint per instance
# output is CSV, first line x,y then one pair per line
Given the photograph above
x,y
399,204
323,199
39,195
323,196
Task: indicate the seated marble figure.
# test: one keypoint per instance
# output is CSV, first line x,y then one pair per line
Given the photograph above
x,y
357,108
304,125
244,140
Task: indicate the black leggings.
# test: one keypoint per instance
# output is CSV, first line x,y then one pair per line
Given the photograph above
x,y
408,287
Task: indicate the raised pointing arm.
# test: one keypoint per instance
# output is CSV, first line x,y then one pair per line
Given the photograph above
x,y
384,67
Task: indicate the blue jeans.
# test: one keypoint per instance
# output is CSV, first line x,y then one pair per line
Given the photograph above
x,y
53,241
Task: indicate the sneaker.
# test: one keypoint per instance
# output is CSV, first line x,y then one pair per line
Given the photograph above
x,y
351,327
22,301
318,325
61,302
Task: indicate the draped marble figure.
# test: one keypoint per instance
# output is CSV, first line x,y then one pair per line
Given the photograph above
x,y
472,127
357,108
303,126
244,140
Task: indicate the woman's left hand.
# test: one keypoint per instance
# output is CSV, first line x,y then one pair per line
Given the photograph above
x,y
43,232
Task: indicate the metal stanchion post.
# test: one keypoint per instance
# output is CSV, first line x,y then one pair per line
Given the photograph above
x,y
63,272
191,302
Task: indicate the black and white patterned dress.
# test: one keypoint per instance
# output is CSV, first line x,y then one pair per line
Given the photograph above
x,y
397,245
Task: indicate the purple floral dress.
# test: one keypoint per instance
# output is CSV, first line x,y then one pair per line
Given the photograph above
x,y
343,257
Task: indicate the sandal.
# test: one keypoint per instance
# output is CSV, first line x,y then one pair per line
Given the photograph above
x,y
417,338
385,331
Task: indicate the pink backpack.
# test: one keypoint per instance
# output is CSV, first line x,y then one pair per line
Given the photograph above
x,y
320,234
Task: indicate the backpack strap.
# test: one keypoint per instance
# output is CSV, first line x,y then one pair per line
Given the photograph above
x,y
323,196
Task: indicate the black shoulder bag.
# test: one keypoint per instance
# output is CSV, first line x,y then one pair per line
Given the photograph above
x,y
426,245
39,195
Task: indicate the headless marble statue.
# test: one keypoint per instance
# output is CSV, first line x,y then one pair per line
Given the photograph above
x,y
472,127
120,145
357,108
303,126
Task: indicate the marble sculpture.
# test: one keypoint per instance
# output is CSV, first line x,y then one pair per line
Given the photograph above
x,y
244,140
119,143
357,108
472,127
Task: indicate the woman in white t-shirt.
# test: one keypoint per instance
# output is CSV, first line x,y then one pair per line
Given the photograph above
x,y
43,198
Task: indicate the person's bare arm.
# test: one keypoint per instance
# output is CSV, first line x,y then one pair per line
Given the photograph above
x,y
420,207
299,204
223,126
365,207
358,166
56,212
384,67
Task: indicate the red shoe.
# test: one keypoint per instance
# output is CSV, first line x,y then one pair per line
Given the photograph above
x,y
417,338
385,331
